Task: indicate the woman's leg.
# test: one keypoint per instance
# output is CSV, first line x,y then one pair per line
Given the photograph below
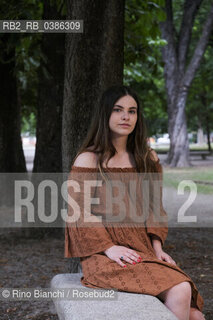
x,y
178,299
195,314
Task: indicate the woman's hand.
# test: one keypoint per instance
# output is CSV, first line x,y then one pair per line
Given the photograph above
x,y
161,255
116,252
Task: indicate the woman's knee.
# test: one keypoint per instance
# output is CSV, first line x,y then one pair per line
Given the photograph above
x,y
181,291
195,314
185,288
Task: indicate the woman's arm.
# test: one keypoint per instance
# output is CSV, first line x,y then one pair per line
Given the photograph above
x,y
155,225
156,243
83,238
160,254
158,235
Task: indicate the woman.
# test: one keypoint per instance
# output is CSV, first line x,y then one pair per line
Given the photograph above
x,y
128,258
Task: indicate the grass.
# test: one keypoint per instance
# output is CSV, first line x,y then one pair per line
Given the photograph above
x,y
173,176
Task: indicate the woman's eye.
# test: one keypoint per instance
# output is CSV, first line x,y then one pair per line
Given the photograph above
x,y
118,110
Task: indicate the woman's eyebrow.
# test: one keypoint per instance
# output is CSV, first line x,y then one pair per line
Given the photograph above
x,y
117,105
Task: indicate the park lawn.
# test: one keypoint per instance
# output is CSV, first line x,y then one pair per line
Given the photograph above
x,y
173,176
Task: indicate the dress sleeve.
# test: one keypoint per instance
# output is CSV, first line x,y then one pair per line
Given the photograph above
x,y
83,238
154,225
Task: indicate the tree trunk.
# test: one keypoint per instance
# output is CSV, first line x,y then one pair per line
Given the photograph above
x,y
207,121
11,151
48,156
208,135
179,76
200,135
179,148
94,61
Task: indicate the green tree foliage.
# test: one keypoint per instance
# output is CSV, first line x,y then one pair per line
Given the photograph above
x,y
27,57
28,60
143,63
200,101
144,69
199,107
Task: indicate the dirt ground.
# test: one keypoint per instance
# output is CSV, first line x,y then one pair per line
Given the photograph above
x,y
31,263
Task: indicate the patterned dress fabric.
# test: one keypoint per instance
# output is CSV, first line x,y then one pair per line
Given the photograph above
x,y
89,240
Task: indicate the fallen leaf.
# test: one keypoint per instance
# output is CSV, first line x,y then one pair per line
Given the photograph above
x,y
190,244
3,260
56,270
170,246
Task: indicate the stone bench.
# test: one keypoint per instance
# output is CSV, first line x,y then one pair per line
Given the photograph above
x,y
126,306
202,154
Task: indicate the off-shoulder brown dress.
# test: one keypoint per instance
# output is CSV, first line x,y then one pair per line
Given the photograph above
x,y
88,241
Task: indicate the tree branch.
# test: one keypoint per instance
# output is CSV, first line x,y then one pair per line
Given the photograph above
x,y
199,51
169,50
190,9
167,29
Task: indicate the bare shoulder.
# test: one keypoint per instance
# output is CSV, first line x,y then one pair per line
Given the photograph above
x,y
154,155
86,159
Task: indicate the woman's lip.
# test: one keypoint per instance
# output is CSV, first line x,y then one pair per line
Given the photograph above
x,y
125,125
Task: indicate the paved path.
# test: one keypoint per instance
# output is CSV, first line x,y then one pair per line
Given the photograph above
x,y
201,209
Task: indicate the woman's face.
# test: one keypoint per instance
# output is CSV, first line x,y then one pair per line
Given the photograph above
x,y
124,116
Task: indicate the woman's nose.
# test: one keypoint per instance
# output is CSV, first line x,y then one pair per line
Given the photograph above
x,y
125,115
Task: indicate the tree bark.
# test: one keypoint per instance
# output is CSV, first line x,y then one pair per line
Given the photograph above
x,y
200,135
48,156
179,148
208,133
11,152
206,119
94,61
179,76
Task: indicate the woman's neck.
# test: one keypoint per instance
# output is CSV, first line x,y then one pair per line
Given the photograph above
x,y
120,144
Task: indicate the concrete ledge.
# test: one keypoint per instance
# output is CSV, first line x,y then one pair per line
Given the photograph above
x,y
127,306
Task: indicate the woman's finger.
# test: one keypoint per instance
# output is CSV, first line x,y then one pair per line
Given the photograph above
x,y
135,254
134,258
120,262
129,260
171,261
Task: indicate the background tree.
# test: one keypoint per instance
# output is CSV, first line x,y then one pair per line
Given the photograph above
x,y
143,68
11,151
18,83
94,61
200,101
48,157
180,67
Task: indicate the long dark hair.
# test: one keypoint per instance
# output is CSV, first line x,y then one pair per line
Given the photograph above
x,y
98,137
